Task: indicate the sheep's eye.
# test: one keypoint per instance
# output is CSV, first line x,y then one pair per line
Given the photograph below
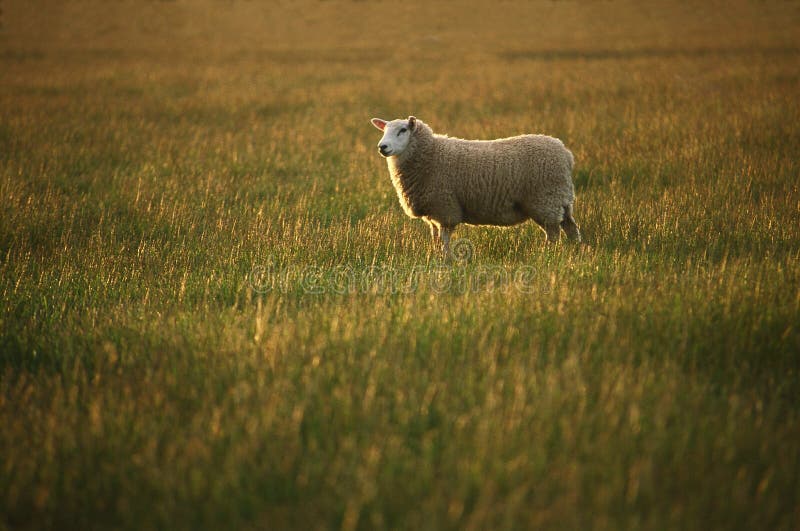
x,y
401,131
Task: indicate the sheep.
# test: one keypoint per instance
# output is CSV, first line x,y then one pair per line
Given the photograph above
x,y
447,181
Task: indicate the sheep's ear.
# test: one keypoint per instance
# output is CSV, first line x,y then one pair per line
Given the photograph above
x,y
377,122
412,122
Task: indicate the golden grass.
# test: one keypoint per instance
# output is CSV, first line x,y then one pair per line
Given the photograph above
x,y
161,161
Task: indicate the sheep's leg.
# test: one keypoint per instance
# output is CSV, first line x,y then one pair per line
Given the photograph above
x,y
571,228
569,225
434,232
548,220
553,231
444,235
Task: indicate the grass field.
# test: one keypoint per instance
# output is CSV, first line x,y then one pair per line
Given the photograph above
x,y
214,314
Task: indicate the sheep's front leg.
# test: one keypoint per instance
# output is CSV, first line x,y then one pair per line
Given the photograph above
x,y
440,235
434,231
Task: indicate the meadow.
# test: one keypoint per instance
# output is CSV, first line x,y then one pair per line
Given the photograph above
x,y
215,315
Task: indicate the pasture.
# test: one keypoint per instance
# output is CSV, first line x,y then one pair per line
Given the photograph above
x,y
215,315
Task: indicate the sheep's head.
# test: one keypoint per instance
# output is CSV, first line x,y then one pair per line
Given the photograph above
x,y
396,135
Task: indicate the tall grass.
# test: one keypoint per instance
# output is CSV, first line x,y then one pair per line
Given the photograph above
x,y
214,313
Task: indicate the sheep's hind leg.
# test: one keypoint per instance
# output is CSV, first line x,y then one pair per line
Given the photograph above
x,y
553,232
569,225
548,220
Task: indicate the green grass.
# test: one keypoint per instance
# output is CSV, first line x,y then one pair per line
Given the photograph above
x,y
214,314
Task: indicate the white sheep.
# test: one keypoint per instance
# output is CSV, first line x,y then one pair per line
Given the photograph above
x,y
447,181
